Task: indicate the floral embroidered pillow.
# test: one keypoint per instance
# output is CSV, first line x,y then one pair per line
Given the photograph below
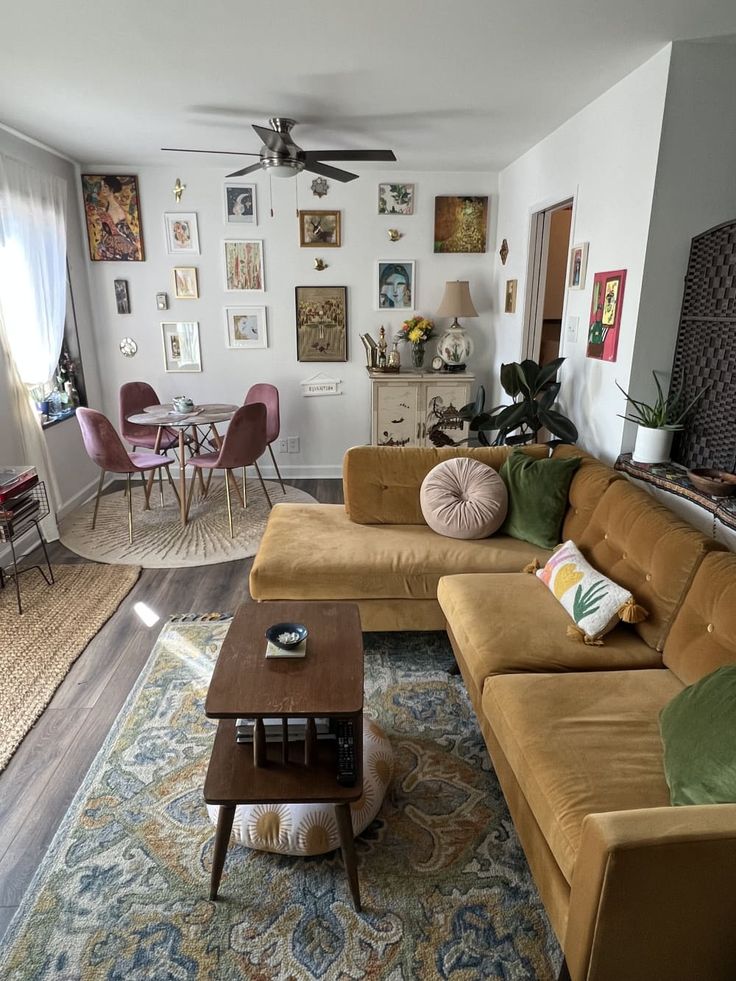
x,y
595,603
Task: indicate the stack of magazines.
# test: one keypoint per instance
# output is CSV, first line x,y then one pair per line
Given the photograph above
x,y
297,730
17,498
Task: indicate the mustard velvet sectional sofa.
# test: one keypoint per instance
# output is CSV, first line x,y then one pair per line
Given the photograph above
x,y
635,889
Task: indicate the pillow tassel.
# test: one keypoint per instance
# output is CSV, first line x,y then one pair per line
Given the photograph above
x,y
575,633
631,612
532,567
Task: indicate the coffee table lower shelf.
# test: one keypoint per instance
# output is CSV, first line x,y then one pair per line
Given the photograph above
x,y
233,778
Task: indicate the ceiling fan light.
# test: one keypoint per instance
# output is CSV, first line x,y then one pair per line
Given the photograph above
x,y
282,168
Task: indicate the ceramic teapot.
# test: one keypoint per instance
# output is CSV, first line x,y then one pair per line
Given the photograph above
x,y
182,403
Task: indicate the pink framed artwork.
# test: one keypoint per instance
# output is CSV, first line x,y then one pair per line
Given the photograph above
x,y
605,314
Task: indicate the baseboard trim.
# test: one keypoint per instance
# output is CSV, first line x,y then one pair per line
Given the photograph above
x,y
293,472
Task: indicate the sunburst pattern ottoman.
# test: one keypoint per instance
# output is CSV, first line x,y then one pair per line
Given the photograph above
x,y
311,829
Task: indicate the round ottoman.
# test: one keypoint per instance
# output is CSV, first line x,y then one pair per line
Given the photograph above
x,y
311,829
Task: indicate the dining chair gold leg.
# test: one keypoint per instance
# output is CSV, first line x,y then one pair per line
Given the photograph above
x,y
231,476
245,493
97,498
278,472
160,488
192,485
207,485
146,492
229,504
258,471
130,507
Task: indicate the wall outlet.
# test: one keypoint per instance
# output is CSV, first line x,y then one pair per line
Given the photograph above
x,y
293,442
572,328
283,446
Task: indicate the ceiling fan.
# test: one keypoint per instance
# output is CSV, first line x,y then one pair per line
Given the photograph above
x,y
282,157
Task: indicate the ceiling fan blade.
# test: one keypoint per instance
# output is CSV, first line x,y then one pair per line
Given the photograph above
x,y
350,155
314,167
245,170
276,142
235,153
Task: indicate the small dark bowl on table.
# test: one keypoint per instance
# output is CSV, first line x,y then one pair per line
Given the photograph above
x,y
273,633
718,483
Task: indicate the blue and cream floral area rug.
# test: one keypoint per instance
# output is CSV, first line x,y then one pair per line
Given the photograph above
x,y
122,893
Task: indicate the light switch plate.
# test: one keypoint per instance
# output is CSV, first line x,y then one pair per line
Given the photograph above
x,y
572,328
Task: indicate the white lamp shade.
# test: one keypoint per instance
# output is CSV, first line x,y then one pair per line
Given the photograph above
x,y
456,300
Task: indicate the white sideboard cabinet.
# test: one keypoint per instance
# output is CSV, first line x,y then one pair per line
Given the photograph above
x,y
408,406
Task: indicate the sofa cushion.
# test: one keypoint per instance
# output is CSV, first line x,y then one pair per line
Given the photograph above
x,y
537,497
642,546
588,486
698,730
703,636
507,623
581,744
314,551
463,498
381,483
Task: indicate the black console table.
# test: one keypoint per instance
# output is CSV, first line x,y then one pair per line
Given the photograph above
x,y
16,523
673,478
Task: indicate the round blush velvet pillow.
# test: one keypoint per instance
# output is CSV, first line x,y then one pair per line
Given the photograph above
x,y
463,498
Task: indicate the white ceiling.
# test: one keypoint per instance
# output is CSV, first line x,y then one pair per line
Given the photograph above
x,y
446,84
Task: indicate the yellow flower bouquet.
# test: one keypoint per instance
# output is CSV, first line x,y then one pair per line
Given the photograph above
x,y
417,330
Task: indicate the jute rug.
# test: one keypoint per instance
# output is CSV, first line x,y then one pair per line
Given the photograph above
x,y
160,541
38,648
123,890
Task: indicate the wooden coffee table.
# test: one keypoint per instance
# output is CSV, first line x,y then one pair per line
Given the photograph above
x,y
327,682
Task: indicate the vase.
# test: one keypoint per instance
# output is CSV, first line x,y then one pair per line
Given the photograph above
x,y
652,445
417,355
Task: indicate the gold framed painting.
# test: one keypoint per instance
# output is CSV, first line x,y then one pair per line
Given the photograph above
x,y
510,302
460,223
186,286
112,213
321,323
319,230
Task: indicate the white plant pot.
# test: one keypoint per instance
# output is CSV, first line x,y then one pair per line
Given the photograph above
x,y
652,445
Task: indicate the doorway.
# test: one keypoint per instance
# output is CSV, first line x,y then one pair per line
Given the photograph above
x,y
549,246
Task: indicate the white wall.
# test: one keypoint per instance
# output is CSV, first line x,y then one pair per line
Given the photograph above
x,y
326,426
74,471
695,190
606,158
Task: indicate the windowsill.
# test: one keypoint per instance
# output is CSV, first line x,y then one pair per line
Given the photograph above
x,y
55,420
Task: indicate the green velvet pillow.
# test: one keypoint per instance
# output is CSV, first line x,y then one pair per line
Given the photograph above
x,y
698,729
537,497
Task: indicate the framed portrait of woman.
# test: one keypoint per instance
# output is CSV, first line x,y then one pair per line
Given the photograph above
x,y
112,213
182,234
395,284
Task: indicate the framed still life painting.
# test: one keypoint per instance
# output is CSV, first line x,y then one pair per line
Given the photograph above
x,y
181,347
244,266
246,327
460,224
605,314
321,323
112,213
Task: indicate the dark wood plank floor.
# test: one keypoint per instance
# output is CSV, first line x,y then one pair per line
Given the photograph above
x,y
41,779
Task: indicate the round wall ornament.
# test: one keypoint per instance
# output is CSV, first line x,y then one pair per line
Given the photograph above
x,y
128,347
320,187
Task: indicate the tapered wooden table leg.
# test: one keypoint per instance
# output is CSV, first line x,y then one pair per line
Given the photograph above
x,y
149,485
182,478
347,844
222,839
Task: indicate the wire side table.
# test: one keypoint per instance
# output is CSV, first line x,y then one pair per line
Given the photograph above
x,y
12,529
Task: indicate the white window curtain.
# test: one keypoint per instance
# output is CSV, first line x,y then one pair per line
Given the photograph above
x,y
32,298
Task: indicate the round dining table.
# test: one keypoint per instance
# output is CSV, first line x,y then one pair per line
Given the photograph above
x,y
164,416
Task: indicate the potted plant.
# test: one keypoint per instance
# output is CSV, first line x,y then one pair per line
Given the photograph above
x,y
657,422
534,389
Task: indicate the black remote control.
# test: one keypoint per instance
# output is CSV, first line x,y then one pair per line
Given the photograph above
x,y
346,771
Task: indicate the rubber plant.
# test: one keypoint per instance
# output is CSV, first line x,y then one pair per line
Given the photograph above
x,y
534,389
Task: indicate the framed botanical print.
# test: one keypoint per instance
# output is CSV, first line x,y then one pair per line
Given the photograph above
x,y
319,229
182,234
246,327
244,266
322,323
395,284
112,213
396,199
578,266
605,314
240,203
185,283
181,346
460,224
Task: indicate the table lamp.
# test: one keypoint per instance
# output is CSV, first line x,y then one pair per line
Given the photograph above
x,y
455,347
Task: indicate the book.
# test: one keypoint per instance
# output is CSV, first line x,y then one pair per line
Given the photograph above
x,y
297,729
15,480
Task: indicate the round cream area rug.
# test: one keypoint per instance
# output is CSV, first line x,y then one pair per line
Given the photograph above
x,y
160,541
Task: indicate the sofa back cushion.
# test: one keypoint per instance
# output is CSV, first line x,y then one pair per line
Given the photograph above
x,y
642,546
703,636
588,486
381,483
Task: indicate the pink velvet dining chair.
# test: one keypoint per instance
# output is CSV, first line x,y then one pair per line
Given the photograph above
x,y
105,448
243,444
269,395
134,397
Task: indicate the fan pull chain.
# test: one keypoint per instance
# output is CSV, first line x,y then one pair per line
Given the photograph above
x,y
270,192
296,194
